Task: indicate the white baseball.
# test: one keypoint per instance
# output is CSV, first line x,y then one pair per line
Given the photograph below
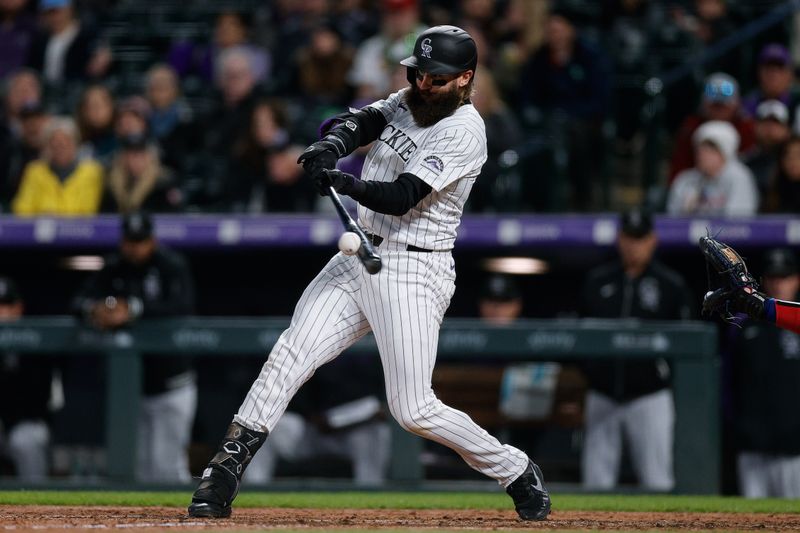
x,y
349,243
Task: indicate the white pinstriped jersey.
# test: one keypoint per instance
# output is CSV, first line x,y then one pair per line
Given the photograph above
x,y
448,156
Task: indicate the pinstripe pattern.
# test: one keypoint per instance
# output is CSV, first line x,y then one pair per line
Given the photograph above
x,y
404,303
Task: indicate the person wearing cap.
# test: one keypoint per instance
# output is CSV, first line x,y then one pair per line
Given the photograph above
x,y
25,398
147,280
765,370
772,131
138,181
720,101
719,184
500,301
59,183
776,81
66,49
631,400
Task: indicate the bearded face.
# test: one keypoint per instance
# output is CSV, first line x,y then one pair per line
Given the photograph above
x,y
431,104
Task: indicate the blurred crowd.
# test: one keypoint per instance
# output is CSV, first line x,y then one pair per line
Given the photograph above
x,y
114,105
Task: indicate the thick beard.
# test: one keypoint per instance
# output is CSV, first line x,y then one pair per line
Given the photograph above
x,y
429,112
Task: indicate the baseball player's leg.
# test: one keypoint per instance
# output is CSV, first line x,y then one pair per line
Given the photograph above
x,y
171,424
28,443
326,321
753,475
650,427
602,446
405,304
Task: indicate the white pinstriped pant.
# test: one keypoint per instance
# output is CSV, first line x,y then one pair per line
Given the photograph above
x,y
403,305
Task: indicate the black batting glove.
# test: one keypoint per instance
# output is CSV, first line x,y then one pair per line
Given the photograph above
x,y
322,155
341,182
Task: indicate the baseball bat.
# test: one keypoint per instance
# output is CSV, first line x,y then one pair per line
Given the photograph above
x,y
366,252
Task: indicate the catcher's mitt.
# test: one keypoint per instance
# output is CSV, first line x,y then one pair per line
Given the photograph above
x,y
739,289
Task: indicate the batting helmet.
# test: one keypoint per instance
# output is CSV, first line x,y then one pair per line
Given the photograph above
x,y
442,50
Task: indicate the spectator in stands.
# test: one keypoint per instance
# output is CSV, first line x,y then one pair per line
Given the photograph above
x,y
766,371
718,184
171,121
147,280
132,117
231,32
720,101
772,131
341,412
231,117
263,174
710,21
17,30
322,67
567,83
17,152
775,80
59,183
67,50
138,181
783,195
503,132
631,399
22,89
95,117
25,398
375,58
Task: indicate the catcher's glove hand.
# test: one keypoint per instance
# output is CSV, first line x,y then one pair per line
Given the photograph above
x,y
739,290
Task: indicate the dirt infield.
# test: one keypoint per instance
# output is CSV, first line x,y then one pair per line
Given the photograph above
x,y
172,519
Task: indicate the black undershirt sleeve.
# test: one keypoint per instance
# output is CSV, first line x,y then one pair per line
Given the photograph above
x,y
390,198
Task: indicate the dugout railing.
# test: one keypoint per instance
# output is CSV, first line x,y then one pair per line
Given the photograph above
x,y
691,347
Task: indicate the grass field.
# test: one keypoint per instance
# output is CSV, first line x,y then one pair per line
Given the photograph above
x,y
411,500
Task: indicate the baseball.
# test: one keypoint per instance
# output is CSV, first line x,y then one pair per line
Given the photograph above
x,y
349,243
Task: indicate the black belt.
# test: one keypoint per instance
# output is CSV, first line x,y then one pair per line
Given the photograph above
x,y
376,240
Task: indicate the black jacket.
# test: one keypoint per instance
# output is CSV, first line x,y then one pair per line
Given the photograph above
x,y
165,288
658,294
766,375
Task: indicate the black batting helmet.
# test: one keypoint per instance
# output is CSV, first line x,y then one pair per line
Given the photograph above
x,y
442,50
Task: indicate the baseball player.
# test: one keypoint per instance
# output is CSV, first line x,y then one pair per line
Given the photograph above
x,y
429,146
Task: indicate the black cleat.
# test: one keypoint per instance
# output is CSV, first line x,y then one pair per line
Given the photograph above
x,y
214,495
208,510
531,499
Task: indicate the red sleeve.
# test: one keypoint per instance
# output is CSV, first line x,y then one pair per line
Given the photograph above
x,y
747,134
787,315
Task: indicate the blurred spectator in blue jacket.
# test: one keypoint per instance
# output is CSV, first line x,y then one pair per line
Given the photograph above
x,y
67,50
22,88
171,122
776,81
567,84
17,30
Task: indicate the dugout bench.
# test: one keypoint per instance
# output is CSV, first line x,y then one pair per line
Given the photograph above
x,y
691,346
